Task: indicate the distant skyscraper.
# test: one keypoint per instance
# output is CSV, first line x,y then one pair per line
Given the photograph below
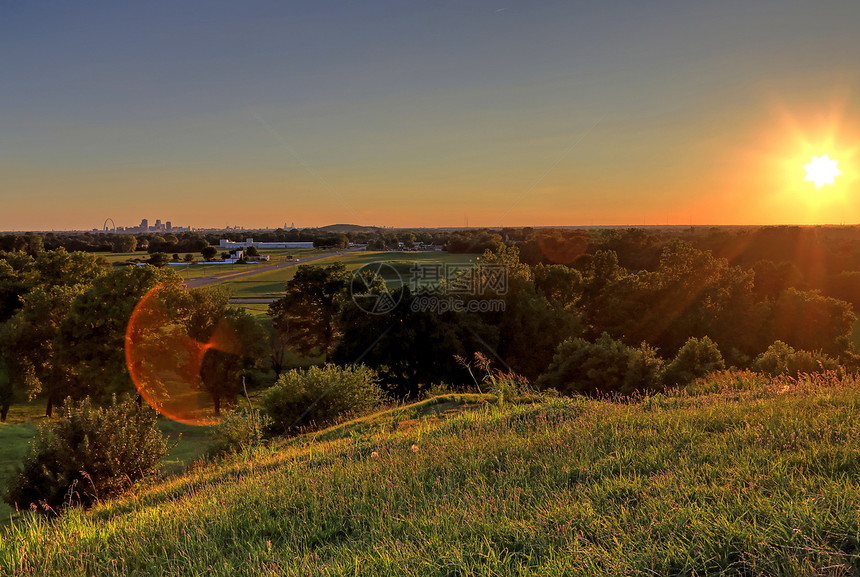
x,y
168,226
144,225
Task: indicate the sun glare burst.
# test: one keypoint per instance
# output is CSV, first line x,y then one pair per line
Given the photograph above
x,y
822,170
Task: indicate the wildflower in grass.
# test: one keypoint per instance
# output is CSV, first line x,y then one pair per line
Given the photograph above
x,y
374,455
414,448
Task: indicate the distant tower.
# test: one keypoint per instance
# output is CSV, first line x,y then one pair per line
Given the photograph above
x,y
168,225
144,225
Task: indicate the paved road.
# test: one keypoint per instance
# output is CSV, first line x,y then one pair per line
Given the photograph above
x,y
257,269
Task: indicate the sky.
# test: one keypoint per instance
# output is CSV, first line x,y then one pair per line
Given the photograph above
x,y
425,114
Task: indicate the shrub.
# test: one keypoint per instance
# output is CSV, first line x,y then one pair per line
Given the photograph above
x,y
695,359
604,366
88,453
239,430
782,359
320,395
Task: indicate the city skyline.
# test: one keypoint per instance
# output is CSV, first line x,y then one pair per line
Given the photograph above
x,y
545,114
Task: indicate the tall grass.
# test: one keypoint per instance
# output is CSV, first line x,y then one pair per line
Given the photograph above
x,y
746,476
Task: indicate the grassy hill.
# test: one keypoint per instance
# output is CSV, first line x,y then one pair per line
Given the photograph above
x,y
740,475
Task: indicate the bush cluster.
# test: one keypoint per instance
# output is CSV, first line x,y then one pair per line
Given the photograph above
x,y
602,367
88,453
609,366
782,359
320,395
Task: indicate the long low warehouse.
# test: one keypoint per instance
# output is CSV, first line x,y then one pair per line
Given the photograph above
x,y
229,244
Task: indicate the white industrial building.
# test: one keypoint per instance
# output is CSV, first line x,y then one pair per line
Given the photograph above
x,y
231,245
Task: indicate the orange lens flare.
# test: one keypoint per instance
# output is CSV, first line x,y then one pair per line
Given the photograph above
x,y
165,363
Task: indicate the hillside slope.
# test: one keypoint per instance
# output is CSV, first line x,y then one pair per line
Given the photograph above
x,y
752,478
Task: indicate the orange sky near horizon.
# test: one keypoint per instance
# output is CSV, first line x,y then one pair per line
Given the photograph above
x,y
540,115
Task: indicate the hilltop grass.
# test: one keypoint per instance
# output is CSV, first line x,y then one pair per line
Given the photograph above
x,y
748,476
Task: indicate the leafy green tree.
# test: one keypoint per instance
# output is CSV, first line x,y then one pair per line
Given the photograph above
x,y
251,251
207,312
17,277
91,341
810,321
156,244
209,252
28,344
309,310
158,259
7,392
61,268
121,243
559,284
411,348
695,359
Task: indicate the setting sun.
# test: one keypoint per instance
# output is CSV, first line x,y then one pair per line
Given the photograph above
x,y
822,170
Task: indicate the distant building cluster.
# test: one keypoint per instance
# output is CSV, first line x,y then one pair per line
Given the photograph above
x,y
229,244
144,226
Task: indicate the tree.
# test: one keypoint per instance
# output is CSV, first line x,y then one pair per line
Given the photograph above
x,y
91,340
123,243
61,268
7,393
28,344
17,277
158,259
558,283
209,318
208,252
250,251
810,321
308,312
409,347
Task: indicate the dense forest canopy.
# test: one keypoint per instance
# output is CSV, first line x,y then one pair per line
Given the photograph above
x,y
656,305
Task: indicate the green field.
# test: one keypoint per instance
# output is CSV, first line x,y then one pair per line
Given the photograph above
x,y
271,283
15,436
748,476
